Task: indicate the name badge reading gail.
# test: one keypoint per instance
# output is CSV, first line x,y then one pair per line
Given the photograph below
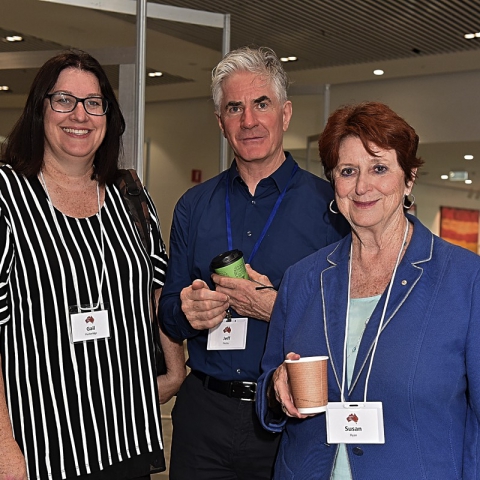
x,y
231,334
355,422
89,325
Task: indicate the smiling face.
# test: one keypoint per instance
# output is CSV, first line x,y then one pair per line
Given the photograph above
x,y
253,120
73,136
369,190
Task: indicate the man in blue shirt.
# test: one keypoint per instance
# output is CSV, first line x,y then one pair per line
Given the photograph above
x,y
276,214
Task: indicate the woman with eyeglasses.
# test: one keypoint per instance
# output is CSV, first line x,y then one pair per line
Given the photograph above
x,y
78,386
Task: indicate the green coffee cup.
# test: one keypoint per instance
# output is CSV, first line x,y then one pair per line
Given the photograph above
x,y
229,264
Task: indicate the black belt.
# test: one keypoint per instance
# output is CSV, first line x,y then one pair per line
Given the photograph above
x,y
235,389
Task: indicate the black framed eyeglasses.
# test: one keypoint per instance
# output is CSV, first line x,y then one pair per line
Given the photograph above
x,y
66,103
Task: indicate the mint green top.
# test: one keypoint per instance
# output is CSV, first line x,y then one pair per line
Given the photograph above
x,y
360,311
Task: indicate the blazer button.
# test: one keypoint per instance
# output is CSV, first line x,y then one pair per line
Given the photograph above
x,y
357,451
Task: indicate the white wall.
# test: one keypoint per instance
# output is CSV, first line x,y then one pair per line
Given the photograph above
x,y
441,108
184,134
8,117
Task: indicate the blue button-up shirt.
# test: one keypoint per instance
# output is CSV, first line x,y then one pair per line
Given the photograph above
x,y
302,225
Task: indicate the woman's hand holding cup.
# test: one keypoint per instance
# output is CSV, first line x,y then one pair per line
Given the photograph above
x,y
282,389
301,385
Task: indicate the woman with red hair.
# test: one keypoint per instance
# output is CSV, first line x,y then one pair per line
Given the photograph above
x,y
395,308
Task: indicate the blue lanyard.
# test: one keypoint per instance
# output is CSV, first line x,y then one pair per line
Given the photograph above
x,y
269,221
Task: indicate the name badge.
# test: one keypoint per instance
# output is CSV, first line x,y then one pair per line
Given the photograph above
x,y
91,325
355,422
231,334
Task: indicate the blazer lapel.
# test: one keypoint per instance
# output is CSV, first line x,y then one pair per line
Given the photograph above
x,y
334,293
408,274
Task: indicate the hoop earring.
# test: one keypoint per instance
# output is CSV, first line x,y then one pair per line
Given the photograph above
x,y
408,201
330,207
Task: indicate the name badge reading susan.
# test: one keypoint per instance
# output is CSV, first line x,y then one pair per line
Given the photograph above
x,y
231,334
91,325
355,422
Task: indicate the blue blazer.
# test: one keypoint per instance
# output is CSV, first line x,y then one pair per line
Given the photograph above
x,y
426,368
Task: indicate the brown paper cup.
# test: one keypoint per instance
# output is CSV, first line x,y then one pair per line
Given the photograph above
x,y
308,383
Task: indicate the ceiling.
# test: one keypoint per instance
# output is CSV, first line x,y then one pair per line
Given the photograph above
x,y
329,37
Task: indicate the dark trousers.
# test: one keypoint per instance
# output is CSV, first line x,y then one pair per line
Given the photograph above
x,y
109,475
218,438
136,468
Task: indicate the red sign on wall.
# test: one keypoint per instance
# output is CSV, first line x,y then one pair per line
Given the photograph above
x,y
196,176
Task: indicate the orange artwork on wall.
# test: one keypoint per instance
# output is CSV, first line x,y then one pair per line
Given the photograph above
x,y
460,227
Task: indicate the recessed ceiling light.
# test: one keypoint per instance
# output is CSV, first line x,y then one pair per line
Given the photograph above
x,y
155,74
4,88
444,177
378,72
469,36
468,157
292,58
468,181
14,38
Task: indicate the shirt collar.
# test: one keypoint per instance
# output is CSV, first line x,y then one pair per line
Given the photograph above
x,y
280,176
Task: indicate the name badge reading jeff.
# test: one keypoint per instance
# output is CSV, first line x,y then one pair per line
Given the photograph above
x,y
231,334
90,326
355,422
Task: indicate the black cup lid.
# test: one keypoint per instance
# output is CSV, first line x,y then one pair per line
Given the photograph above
x,y
225,259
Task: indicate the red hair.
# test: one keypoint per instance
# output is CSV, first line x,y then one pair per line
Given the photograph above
x,y
373,123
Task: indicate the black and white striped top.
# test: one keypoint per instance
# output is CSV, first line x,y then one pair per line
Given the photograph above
x,y
76,408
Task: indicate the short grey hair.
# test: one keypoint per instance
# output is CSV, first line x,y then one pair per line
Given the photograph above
x,y
259,60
